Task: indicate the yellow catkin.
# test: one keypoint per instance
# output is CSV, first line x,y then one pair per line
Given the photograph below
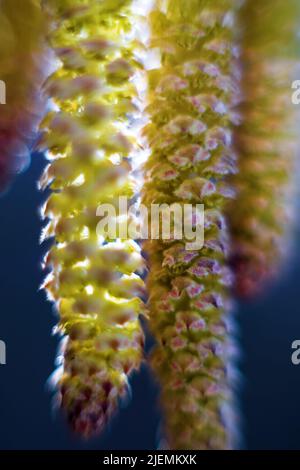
x,y
94,279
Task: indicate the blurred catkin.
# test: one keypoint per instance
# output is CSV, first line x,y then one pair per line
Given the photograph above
x,y
190,96
261,216
23,68
93,279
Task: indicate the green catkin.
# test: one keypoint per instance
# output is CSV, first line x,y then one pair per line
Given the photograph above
x,y
261,216
94,281
189,108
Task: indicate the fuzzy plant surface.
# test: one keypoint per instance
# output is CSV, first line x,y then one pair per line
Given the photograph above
x,y
189,108
23,68
261,217
93,277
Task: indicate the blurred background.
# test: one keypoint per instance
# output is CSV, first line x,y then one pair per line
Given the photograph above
x,y
269,395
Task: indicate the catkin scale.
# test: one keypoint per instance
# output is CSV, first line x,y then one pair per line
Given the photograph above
x,y
189,108
94,281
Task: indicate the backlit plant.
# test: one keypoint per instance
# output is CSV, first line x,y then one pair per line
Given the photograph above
x,y
199,90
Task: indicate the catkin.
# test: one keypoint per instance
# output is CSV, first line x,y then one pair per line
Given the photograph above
x,y
261,217
94,280
189,107
24,65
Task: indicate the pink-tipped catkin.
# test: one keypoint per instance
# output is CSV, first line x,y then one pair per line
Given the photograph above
x,y
190,96
262,216
24,65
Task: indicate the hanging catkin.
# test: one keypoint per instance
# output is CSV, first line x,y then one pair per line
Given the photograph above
x,y
23,68
190,96
262,215
93,279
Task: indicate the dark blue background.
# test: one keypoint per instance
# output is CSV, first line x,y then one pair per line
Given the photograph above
x,y
270,396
